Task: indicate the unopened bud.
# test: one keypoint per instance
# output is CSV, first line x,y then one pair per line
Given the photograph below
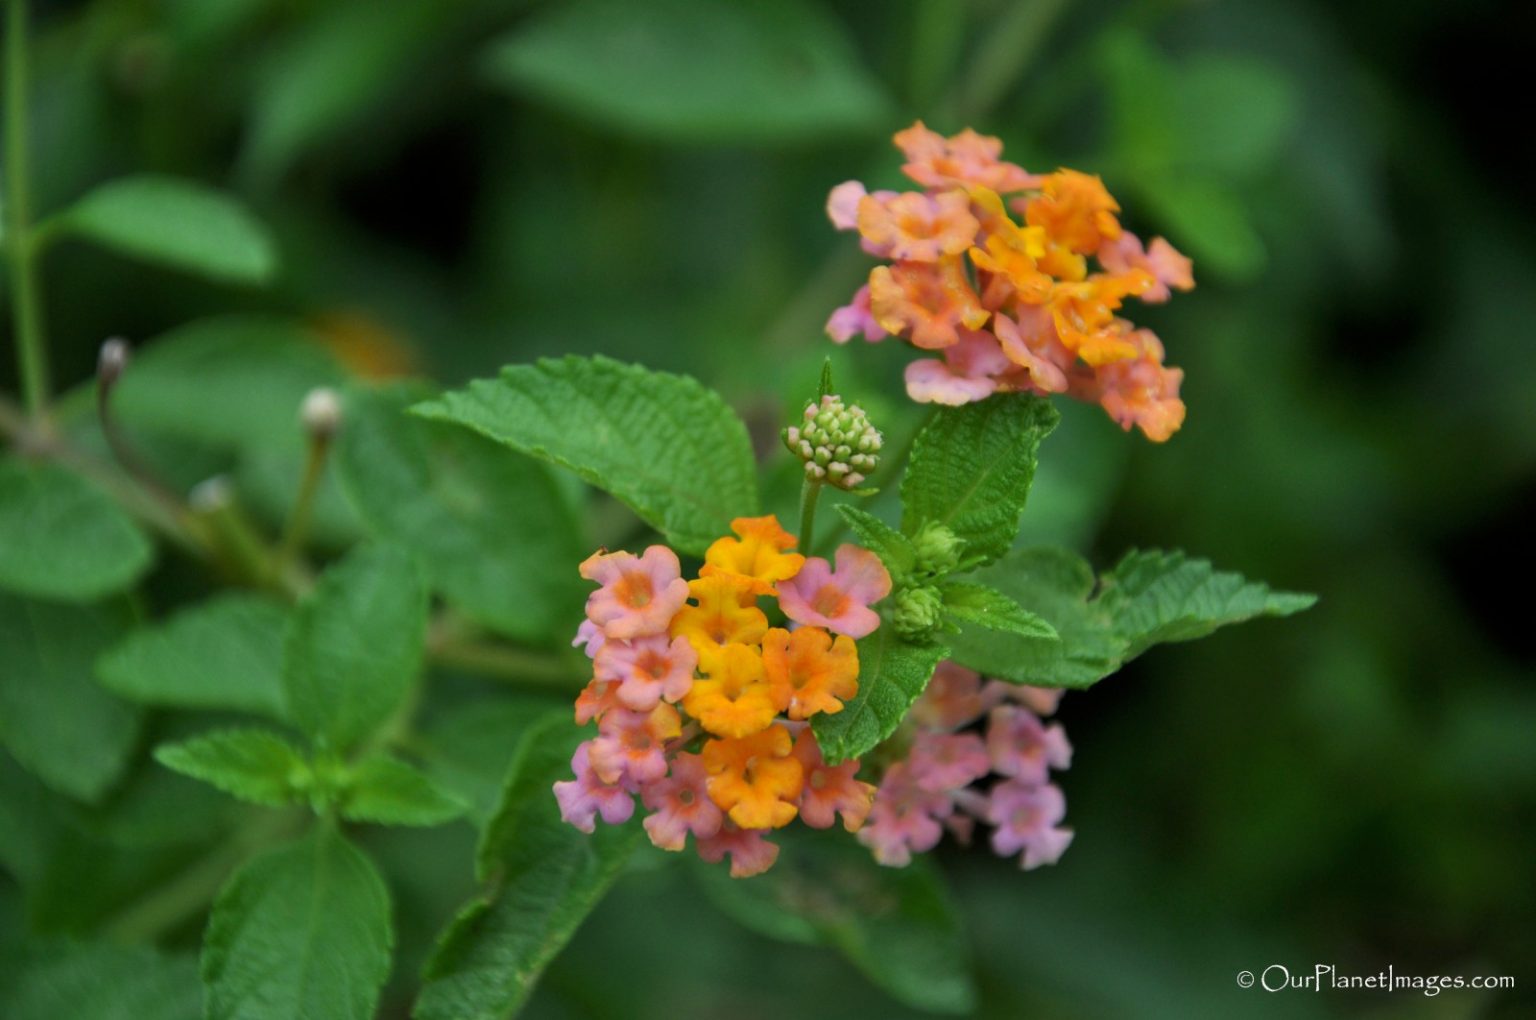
x,y
111,362
321,412
915,611
836,442
211,495
938,549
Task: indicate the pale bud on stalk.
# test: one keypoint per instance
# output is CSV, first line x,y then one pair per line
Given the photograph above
x,y
111,362
320,413
836,442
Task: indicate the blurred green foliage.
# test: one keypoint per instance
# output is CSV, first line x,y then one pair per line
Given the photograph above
x,y
452,185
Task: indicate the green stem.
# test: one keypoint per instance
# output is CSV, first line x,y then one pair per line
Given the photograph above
x,y
450,644
303,507
1007,52
26,292
810,492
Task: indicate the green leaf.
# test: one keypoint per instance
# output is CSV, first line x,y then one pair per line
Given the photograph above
x,y
1210,220
251,764
1233,114
491,528
892,673
1154,597
971,470
54,719
176,223
467,748
898,926
691,71
355,646
223,654
64,539
663,444
894,549
57,979
389,792
991,609
300,932
545,877
1149,598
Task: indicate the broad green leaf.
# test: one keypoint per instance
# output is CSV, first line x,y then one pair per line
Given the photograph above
x,y
491,528
54,719
223,654
300,932
896,925
1234,114
389,792
468,748
1149,598
892,673
251,764
235,381
991,609
544,878
176,223
663,444
695,71
1209,220
64,539
355,646
57,979
894,549
971,470
1154,597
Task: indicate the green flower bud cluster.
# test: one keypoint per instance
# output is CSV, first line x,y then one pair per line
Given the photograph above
x,y
915,611
836,442
938,550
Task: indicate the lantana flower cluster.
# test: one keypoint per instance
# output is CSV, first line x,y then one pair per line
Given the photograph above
x,y
955,773
703,704
1016,279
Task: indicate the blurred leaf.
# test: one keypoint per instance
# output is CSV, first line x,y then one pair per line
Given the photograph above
x,y
897,925
692,71
1234,114
236,381
252,764
355,646
389,792
490,527
60,726
1209,221
225,653
670,449
992,610
337,63
544,878
894,549
303,931
176,223
58,979
64,539
971,469
468,748
892,673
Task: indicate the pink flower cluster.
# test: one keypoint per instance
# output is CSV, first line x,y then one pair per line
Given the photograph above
x,y
935,785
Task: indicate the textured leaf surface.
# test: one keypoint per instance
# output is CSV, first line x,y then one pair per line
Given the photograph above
x,y
669,448
299,933
894,549
63,539
1148,599
355,646
971,469
56,979
545,877
991,609
692,71
177,223
490,527
226,653
892,673
389,792
54,719
897,925
252,764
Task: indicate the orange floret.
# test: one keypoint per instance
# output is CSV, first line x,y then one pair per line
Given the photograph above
x,y
1075,209
757,779
734,699
756,557
724,614
932,299
814,672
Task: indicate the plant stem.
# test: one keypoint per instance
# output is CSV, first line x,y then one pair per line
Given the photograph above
x,y
303,506
1008,50
26,293
810,492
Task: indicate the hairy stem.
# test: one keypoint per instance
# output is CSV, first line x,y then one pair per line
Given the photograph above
x,y
810,492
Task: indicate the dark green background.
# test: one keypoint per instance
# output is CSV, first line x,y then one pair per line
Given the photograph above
x,y
477,182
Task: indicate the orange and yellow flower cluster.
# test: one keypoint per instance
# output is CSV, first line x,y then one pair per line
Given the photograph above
x,y
703,704
1016,279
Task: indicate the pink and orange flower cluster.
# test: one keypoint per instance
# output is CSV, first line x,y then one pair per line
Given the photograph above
x,y
1011,304
702,704
935,785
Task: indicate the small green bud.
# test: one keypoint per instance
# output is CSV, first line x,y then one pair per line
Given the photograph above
x,y
915,611
938,549
836,443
